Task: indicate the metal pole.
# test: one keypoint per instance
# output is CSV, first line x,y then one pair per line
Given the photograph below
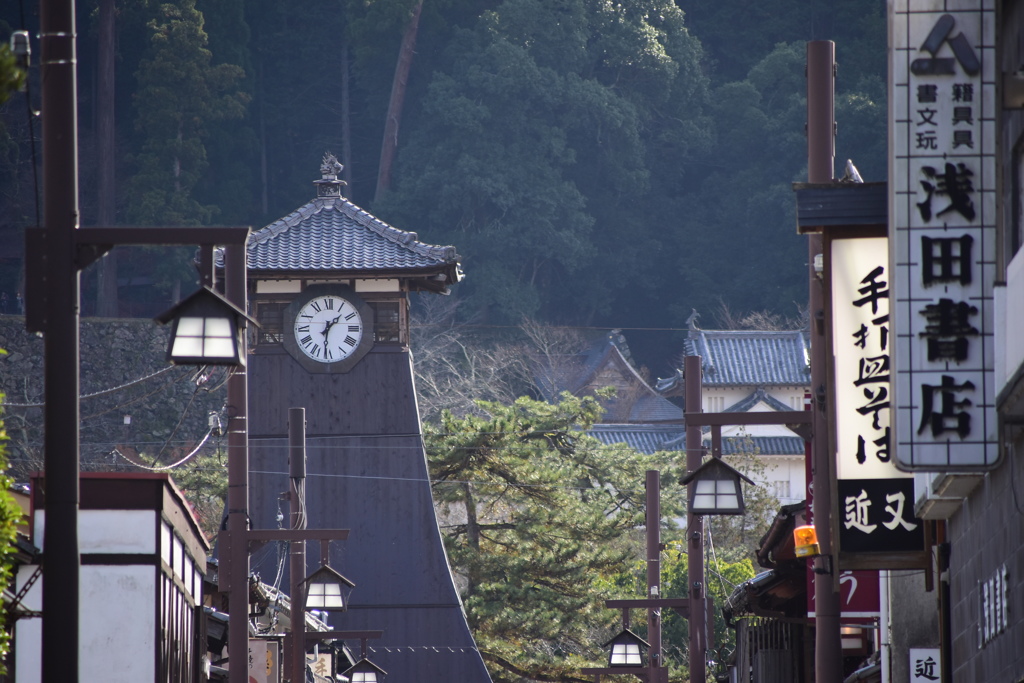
x,y
695,527
297,549
820,168
654,569
62,563
238,484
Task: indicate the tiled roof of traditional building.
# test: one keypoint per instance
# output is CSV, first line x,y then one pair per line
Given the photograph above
x,y
331,233
763,445
580,373
653,408
643,438
652,438
745,358
759,395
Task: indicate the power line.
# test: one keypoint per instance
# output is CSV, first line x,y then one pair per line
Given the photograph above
x,y
172,465
101,392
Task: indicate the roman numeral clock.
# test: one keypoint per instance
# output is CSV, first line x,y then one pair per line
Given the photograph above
x,y
326,328
329,284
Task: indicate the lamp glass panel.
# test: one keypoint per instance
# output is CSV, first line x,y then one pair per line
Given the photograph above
x,y
728,502
219,347
727,486
190,326
705,486
324,596
363,677
187,347
704,501
197,337
625,654
218,327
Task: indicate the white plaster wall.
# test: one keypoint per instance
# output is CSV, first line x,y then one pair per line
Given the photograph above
x,y
1009,337
28,633
117,626
790,469
108,531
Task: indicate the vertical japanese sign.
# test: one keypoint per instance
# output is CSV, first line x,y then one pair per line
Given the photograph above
x,y
942,227
263,661
876,500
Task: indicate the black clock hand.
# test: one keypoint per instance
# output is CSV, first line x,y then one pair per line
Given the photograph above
x,y
330,323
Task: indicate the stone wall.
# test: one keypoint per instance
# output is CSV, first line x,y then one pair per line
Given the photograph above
x,y
134,405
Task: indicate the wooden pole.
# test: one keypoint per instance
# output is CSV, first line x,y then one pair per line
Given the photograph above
x,y
297,549
654,570
820,169
695,528
61,439
238,484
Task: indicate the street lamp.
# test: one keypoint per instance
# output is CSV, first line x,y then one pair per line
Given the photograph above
x,y
365,671
326,589
717,489
206,329
627,649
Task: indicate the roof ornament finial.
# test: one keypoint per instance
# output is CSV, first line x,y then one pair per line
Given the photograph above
x,y
329,185
691,322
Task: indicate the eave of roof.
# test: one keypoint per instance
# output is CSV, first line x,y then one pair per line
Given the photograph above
x,y
333,234
646,439
745,358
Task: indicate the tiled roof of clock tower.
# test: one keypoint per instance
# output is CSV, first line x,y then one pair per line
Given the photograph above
x,y
331,233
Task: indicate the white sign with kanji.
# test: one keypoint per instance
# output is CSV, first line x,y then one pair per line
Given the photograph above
x,y
942,205
924,665
862,345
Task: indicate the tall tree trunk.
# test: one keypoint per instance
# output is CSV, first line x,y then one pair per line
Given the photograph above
x,y
394,116
473,536
346,119
106,290
264,184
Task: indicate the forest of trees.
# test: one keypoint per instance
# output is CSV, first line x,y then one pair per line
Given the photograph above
x,y
595,163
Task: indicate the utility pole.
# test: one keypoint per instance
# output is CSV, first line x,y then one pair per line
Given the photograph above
x,y
238,484
821,73
61,440
695,527
297,549
655,661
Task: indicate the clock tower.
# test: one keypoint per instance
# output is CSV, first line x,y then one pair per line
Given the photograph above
x,y
329,285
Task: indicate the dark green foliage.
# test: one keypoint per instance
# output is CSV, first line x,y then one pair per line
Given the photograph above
x,y
10,513
179,92
10,516
721,577
533,152
595,163
535,514
11,77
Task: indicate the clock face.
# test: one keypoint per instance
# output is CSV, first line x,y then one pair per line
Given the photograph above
x,y
328,328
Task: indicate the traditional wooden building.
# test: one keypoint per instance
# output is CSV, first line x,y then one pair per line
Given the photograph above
x,y
329,284
753,371
141,583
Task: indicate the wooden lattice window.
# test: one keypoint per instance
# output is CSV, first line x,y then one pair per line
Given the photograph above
x,y
387,323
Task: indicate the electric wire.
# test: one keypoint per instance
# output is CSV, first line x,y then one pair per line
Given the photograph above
x,y
101,392
714,564
177,426
164,468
